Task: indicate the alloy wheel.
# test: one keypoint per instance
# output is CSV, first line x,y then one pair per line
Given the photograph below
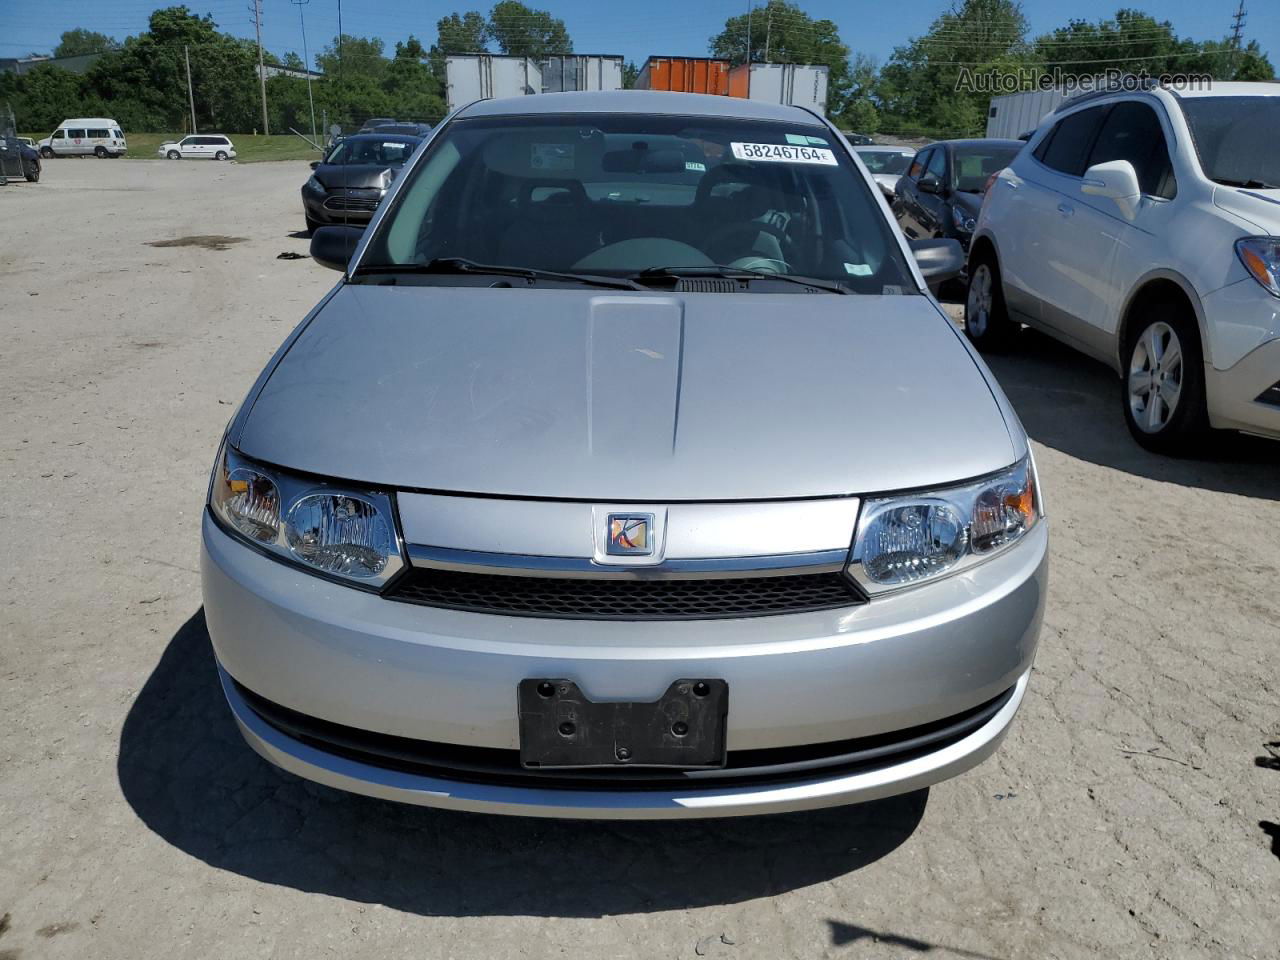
x,y
1155,377
977,312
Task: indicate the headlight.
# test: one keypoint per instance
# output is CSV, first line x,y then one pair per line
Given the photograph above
x,y
314,184
905,540
347,534
1261,257
964,222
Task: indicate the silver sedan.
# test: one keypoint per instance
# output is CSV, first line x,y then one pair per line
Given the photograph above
x,y
628,471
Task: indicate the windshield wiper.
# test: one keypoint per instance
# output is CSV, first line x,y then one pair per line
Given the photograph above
x,y
1248,184
455,265
738,273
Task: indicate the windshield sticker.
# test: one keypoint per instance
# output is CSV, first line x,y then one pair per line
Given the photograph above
x,y
779,153
694,166
551,156
799,140
858,269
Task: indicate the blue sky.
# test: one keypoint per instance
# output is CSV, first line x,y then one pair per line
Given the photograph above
x,y
634,30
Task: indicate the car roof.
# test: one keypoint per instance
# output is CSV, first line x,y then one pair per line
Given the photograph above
x,y
1228,89
981,142
638,102
884,148
394,137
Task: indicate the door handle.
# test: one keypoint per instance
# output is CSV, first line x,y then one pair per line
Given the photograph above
x,y
1066,209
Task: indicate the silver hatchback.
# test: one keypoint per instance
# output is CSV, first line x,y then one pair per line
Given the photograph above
x,y
628,471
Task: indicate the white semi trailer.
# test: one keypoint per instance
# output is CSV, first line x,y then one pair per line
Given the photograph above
x,y
486,76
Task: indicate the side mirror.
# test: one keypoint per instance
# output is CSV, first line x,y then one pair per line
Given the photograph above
x,y
314,164
332,247
930,184
1116,180
938,260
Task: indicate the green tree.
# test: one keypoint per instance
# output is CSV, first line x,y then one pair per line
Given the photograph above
x,y
780,32
1131,41
43,97
292,61
522,32
861,112
465,33
360,57
629,73
80,41
940,84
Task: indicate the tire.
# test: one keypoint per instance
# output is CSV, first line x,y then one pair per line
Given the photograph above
x,y
46,152
220,155
1162,387
986,319
32,172
173,155
100,152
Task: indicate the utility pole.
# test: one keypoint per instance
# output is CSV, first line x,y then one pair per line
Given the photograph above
x,y
191,97
262,73
768,28
306,62
339,39
1237,32
750,6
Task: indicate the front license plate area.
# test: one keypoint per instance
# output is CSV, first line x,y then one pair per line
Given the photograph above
x,y
561,729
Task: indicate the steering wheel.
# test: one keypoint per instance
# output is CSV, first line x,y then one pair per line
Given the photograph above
x,y
765,265
740,237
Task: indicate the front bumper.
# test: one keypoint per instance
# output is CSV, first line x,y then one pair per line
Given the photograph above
x,y
446,677
1244,322
340,206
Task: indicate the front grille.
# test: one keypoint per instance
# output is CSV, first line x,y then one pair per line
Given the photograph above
x,y
491,765
352,203
581,598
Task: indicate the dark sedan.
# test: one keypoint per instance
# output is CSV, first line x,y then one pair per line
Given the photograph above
x,y
17,160
941,192
350,181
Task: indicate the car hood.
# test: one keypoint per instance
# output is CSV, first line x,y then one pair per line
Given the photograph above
x,y
1259,208
350,175
577,394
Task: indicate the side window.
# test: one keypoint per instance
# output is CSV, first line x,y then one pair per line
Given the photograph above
x,y
60,135
918,164
189,141
117,134
1067,147
99,133
938,164
75,134
1132,132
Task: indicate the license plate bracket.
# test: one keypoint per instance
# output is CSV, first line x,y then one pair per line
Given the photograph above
x,y
560,728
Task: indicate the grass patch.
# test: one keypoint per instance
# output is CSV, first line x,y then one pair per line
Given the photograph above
x,y
249,149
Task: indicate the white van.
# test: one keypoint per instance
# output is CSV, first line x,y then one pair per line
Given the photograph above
x,y
211,147
85,136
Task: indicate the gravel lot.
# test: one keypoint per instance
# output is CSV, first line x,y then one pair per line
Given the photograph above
x,y
1131,812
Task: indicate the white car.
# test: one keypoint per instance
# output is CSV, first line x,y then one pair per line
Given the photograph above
x,y
886,166
1143,228
213,146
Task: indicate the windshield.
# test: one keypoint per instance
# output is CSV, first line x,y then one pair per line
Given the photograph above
x,y
616,195
883,161
975,165
373,150
1234,138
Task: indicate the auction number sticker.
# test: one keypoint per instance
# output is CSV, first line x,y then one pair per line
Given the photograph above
x,y
783,153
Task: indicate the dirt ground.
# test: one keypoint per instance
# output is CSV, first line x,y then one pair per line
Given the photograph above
x,y
1132,812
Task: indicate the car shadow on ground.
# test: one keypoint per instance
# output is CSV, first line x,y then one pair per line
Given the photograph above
x,y
186,772
1072,403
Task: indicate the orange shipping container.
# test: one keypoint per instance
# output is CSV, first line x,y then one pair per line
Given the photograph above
x,y
740,81
685,75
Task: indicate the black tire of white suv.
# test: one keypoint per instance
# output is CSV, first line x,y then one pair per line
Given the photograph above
x,y
986,319
1162,381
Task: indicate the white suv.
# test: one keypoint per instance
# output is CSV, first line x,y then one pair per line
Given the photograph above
x,y
1143,228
